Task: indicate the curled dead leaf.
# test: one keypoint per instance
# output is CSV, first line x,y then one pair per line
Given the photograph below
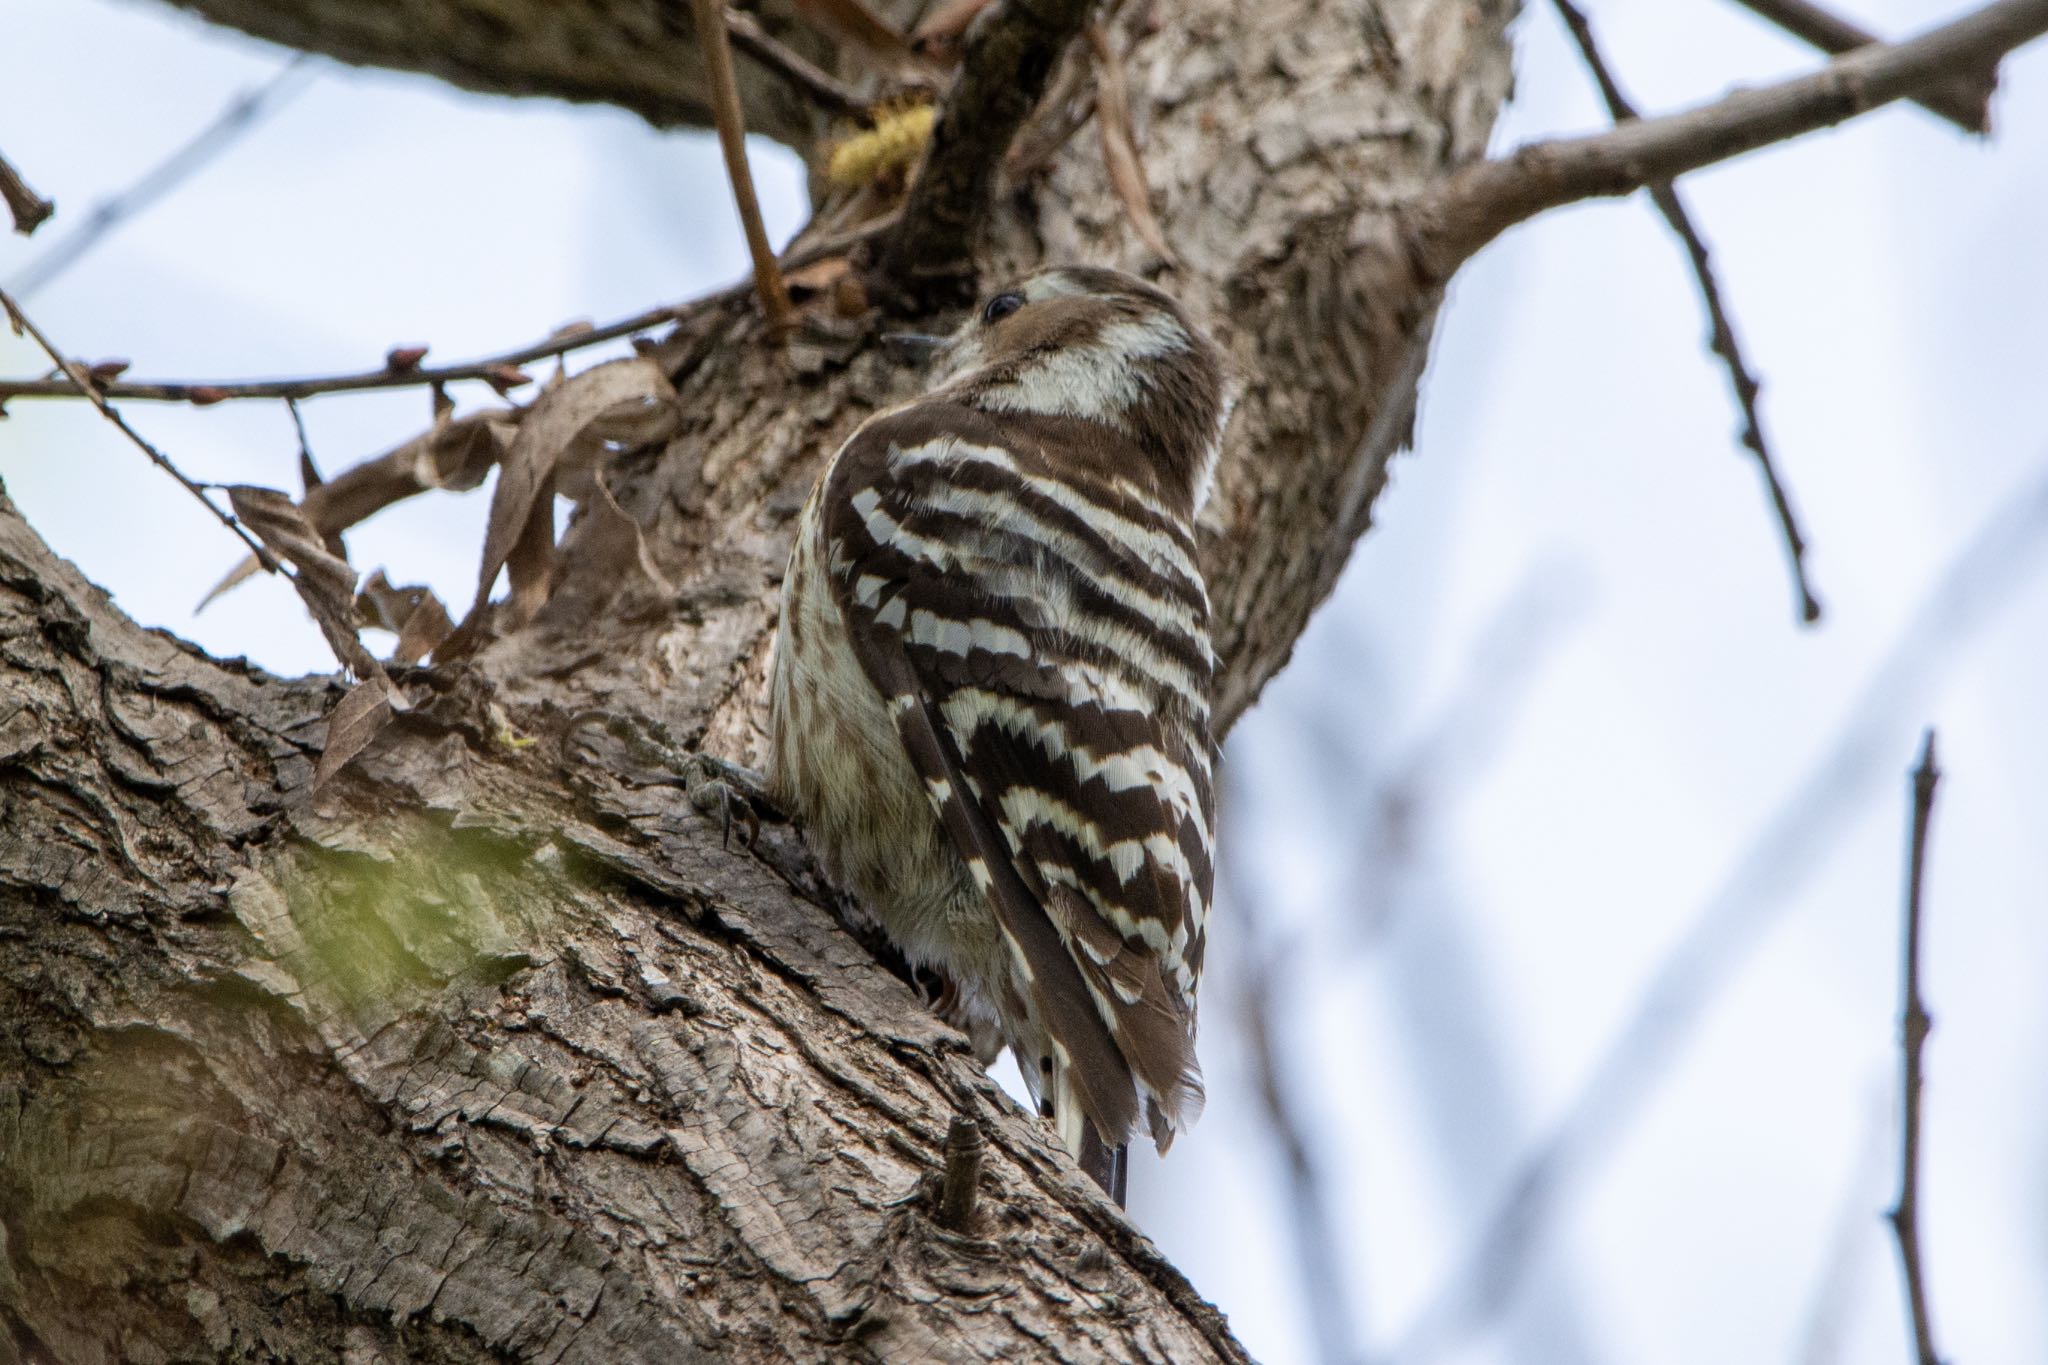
x,y
455,454
359,717
562,434
324,581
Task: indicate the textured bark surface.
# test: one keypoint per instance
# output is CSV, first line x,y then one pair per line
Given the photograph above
x,y
641,55
482,1053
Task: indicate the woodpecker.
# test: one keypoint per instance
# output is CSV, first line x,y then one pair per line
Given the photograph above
x,y
990,697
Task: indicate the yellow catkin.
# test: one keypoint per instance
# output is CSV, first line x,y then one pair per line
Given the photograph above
x,y
888,149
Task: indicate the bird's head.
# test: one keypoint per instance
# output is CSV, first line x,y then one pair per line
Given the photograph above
x,y
1102,346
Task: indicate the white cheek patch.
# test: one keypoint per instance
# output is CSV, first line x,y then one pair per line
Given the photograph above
x,y
1099,380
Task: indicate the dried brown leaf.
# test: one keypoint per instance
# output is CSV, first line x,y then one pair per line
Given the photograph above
x,y
620,541
561,430
455,455
324,581
413,613
423,631
233,578
383,605
359,717
1120,145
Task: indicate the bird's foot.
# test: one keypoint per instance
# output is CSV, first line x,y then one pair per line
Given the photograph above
x,y
715,786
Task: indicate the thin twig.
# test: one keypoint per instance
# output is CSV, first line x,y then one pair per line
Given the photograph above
x,y
830,93
1965,102
1993,567
82,380
1913,1027
1010,54
490,370
1455,218
732,140
242,115
1722,330
28,208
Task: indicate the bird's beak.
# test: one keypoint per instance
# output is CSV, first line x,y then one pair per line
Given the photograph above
x,y
914,348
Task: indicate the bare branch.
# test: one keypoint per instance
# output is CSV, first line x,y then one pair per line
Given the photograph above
x,y
81,380
1010,53
27,208
242,115
1467,210
1721,329
491,369
1913,1027
732,140
1995,565
1965,102
831,94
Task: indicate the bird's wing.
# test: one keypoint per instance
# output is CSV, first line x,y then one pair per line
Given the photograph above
x,y
1043,646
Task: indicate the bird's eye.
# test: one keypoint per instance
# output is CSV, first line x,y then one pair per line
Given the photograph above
x,y
1001,306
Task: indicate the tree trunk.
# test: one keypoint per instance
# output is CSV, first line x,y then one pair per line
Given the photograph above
x,y
482,1051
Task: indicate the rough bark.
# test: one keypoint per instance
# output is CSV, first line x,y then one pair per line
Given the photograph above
x,y
480,1052
641,55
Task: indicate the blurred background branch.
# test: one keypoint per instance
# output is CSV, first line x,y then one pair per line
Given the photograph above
x,y
1754,895
242,116
1720,328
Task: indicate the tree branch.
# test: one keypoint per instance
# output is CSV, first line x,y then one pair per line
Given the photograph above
x,y
245,112
831,94
24,205
77,378
732,141
1721,330
640,55
1964,102
928,258
1913,1027
1454,220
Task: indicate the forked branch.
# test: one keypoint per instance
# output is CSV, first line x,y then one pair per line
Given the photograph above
x,y
1453,221
1965,102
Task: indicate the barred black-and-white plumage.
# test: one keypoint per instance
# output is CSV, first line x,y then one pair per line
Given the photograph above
x,y
990,702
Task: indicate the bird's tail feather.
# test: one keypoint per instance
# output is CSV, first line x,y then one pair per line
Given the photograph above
x,y
1107,1164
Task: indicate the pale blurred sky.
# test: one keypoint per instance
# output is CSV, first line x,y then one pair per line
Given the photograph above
x,y
1575,472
